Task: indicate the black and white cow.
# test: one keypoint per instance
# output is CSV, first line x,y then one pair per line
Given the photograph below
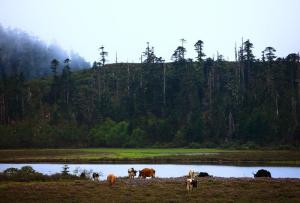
x,y
131,173
95,176
191,183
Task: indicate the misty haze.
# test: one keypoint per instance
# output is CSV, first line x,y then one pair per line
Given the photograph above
x,y
149,101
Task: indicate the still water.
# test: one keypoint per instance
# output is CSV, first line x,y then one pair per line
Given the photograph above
x,y
163,170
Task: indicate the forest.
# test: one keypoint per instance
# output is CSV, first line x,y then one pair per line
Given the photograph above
x,y
46,101
23,53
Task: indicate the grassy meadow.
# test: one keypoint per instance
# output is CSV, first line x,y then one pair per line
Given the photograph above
x,y
156,190
174,155
212,189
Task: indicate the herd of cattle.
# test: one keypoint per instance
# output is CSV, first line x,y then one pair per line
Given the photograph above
x,y
146,172
191,182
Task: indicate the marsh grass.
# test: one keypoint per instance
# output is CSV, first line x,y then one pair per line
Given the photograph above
x,y
157,190
174,155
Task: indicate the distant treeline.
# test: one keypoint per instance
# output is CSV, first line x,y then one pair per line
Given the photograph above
x,y
26,54
207,103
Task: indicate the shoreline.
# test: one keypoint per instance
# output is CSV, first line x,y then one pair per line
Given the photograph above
x,y
153,156
153,161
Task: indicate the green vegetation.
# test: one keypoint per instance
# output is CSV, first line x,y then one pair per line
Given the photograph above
x,y
249,103
157,190
103,155
28,174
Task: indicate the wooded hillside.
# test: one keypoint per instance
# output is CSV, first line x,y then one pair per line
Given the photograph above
x,y
210,102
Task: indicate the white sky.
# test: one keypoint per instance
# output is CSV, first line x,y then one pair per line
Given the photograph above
x,y
124,26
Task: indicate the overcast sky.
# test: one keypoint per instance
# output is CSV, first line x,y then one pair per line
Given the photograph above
x,y
124,26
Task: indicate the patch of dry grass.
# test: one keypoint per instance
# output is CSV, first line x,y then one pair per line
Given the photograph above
x,y
156,190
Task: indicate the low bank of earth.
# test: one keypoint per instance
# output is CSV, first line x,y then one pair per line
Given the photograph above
x,y
117,155
154,190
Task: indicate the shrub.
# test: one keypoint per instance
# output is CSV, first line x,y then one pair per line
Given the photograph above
x,y
27,170
109,134
11,171
27,173
194,145
138,138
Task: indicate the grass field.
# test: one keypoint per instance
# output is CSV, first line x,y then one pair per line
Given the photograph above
x,y
177,155
156,190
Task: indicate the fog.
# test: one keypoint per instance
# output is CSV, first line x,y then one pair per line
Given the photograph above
x,y
27,54
125,26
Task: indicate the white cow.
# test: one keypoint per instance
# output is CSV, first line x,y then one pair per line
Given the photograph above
x,y
193,174
190,184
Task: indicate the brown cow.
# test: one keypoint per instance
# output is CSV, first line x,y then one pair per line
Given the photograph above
x,y
147,172
111,179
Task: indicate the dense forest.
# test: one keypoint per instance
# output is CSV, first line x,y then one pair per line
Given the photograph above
x,y
26,54
204,102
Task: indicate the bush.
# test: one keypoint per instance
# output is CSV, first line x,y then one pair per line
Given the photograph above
x,y
27,173
138,138
194,145
27,170
179,139
249,145
11,171
109,134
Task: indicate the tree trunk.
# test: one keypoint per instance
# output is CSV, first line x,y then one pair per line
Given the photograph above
x,y
294,111
2,109
98,81
128,80
276,103
231,126
164,87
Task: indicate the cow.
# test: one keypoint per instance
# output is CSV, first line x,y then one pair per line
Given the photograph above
x,y
95,176
204,174
262,173
191,183
131,173
147,172
111,179
193,174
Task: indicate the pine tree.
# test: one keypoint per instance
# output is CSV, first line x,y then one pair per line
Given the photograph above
x,y
103,55
199,49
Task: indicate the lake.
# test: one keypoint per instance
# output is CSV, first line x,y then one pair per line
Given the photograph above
x,y
163,170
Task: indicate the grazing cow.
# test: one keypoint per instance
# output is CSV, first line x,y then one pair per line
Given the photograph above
x,y
147,172
131,173
262,173
193,174
203,174
83,174
111,179
95,176
191,183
